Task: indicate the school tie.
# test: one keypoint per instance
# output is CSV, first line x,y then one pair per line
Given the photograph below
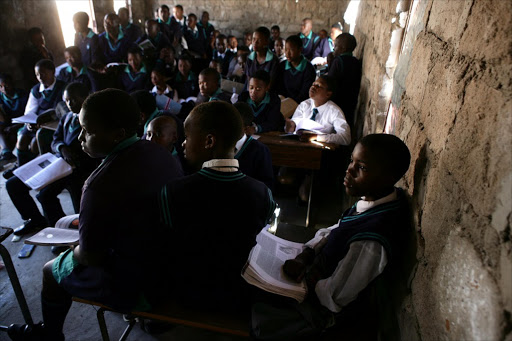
x,y
315,112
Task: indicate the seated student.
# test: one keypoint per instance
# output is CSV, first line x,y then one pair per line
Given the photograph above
x,y
186,82
117,262
177,15
34,51
86,40
209,87
165,96
216,64
237,70
253,156
261,58
167,61
344,262
66,145
12,104
195,39
113,43
266,105
212,197
310,39
206,29
326,45
131,31
211,45
275,33
232,44
135,75
156,37
294,76
76,71
279,45
222,54
168,26
346,69
248,40
164,131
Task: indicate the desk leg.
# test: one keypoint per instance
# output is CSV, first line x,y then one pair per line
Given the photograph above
x,y
309,198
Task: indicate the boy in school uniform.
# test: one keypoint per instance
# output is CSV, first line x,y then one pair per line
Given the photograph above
x,y
346,69
196,41
294,76
345,262
205,29
166,97
180,19
164,131
186,81
34,51
76,71
113,43
86,40
266,105
222,54
12,105
209,87
326,45
261,58
279,45
135,75
156,37
310,39
253,156
211,131
65,144
233,44
275,32
131,31
168,26
115,262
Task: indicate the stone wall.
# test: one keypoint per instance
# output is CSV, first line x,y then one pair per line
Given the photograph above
x,y
452,96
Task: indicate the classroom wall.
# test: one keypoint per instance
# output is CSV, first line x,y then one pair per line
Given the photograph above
x,y
452,94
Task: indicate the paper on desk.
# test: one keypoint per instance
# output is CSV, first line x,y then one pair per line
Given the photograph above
x,y
308,124
28,118
319,60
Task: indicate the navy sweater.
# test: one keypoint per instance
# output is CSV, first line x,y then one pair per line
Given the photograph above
x,y
255,160
295,82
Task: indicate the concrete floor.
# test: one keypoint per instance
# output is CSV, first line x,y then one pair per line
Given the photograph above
x,y
81,323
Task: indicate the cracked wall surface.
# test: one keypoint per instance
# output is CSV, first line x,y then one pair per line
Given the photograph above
x,y
453,97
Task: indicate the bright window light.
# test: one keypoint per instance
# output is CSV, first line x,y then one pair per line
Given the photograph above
x,y
350,15
118,4
66,10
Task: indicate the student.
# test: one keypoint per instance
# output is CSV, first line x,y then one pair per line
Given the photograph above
x,y
326,45
167,61
266,105
196,41
322,34
164,131
209,87
310,40
279,45
216,64
34,51
113,43
177,15
296,74
248,40
168,26
261,58
322,110
65,144
85,39
166,97
186,82
222,54
135,75
219,194
131,31
233,44
156,37
12,105
205,29
275,33
346,69
76,71
237,70
253,156
344,262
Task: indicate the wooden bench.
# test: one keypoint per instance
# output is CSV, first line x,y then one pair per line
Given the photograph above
x,y
173,314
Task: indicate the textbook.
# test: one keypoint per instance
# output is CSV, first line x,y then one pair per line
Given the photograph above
x,y
30,118
43,170
146,44
52,236
264,268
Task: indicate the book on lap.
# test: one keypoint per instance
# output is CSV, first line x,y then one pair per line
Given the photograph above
x,y
43,170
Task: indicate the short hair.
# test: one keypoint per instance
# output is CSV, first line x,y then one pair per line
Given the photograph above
x,y
308,20
192,15
74,50
45,64
164,7
81,18
390,151
246,113
123,9
185,58
264,31
220,119
113,109
262,75
295,41
337,26
348,40
134,49
275,27
6,77
221,36
145,100
33,31
77,89
330,81
179,6
209,71
244,48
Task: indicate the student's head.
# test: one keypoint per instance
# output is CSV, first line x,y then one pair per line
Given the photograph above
x,y
248,38
275,31
259,85
279,46
152,28
217,65
306,26
135,58
163,13
336,30
242,50
111,24
124,16
322,89
108,117
241,60
45,72
6,84
192,20
80,21
260,39
73,56
146,103
75,95
293,48
377,163
246,114
205,17
36,36
330,58
232,42
167,54
209,81
322,34
211,131
184,65
158,77
163,131
177,12
344,43
221,43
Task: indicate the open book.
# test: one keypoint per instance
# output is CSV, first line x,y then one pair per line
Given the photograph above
x,y
184,100
43,170
264,267
30,118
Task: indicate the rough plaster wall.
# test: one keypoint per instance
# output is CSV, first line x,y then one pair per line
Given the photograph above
x,y
453,94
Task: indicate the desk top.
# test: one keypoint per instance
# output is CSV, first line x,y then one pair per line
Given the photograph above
x,y
275,138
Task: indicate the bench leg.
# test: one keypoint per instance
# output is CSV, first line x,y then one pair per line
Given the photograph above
x,y
103,326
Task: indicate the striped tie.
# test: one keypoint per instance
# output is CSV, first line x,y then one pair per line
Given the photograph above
x,y
315,112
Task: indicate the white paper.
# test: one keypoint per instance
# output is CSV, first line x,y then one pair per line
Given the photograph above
x,y
308,124
28,118
43,170
319,60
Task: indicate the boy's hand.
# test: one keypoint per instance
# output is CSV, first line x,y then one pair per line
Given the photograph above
x,y
289,126
295,269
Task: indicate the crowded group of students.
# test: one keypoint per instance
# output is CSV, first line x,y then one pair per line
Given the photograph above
x,y
171,186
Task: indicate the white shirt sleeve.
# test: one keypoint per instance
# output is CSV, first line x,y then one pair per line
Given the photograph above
x,y
31,106
341,127
299,112
364,261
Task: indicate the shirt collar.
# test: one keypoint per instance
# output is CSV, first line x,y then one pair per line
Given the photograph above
x,y
240,143
302,36
122,145
42,88
268,57
155,90
265,100
90,34
363,205
150,118
301,67
119,36
7,98
142,69
346,54
216,94
222,165
83,70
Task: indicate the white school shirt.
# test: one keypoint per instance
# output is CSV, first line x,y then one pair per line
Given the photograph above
x,y
330,116
365,260
222,165
240,143
32,105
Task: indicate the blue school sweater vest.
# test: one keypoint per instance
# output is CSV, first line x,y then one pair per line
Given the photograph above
x,y
49,100
14,107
